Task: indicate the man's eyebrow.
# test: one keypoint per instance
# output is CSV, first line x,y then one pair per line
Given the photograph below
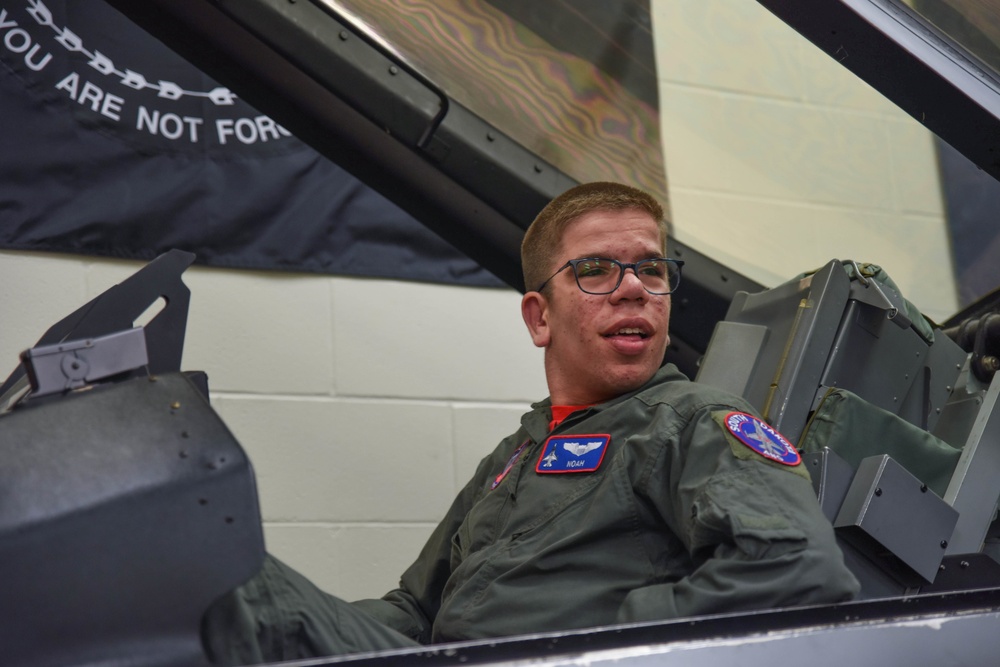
x,y
651,255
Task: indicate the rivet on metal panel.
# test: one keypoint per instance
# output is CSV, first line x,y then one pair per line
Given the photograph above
x,y
944,544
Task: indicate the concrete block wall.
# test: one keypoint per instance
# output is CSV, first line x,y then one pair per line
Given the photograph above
x,y
365,404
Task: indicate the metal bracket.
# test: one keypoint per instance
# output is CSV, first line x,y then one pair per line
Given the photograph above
x,y
73,364
896,520
879,298
831,477
973,488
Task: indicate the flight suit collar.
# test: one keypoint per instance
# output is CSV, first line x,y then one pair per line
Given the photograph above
x,y
536,421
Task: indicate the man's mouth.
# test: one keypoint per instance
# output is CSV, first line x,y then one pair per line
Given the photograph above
x,y
628,331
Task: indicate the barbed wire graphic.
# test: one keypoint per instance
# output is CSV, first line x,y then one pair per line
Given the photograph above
x,y
101,63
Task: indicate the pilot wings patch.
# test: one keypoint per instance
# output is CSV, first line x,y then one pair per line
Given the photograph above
x,y
572,453
579,449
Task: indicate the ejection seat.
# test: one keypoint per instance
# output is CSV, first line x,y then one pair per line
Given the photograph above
x,y
898,424
126,505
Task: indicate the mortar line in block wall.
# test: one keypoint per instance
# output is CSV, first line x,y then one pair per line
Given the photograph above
x,y
369,400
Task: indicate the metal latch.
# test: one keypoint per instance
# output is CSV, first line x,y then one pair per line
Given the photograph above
x,y
73,364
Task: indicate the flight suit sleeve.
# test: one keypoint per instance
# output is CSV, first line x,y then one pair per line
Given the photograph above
x,y
412,608
752,527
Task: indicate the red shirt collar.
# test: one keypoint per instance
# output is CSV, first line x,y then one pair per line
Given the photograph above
x,y
560,412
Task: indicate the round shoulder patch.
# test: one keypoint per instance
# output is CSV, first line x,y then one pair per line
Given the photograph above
x,y
759,436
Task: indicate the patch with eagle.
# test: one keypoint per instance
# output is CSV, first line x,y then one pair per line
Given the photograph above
x,y
762,438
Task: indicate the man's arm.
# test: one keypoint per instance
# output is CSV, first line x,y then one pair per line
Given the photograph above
x,y
412,608
753,528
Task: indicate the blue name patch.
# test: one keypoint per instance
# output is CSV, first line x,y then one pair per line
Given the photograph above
x,y
761,437
572,453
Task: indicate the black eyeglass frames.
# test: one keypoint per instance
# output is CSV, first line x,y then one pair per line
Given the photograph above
x,y
601,275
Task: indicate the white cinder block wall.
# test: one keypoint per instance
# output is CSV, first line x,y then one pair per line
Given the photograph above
x,y
365,404
779,159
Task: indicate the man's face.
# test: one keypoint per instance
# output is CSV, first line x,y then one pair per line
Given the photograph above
x,y
600,346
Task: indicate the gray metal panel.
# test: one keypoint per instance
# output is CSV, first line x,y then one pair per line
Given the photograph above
x,y
944,365
958,414
72,364
965,572
972,642
800,365
737,348
896,519
802,318
831,476
877,360
876,582
934,630
975,485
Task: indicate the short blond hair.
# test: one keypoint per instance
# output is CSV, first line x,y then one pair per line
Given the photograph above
x,y
543,240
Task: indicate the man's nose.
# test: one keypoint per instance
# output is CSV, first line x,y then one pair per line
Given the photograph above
x,y
631,287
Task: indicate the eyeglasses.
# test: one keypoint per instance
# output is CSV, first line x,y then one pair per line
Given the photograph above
x,y
600,275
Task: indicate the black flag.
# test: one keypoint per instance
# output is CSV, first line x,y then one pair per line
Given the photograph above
x,y
112,145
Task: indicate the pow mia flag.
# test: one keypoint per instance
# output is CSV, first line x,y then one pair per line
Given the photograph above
x,y
112,145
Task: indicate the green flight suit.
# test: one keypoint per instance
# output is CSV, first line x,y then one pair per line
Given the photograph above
x,y
680,519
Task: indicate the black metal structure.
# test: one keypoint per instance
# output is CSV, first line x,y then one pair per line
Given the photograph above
x,y
128,506
117,309
127,510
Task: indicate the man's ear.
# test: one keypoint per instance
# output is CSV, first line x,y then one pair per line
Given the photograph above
x,y
535,311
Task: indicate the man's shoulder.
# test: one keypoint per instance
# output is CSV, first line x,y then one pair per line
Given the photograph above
x,y
671,388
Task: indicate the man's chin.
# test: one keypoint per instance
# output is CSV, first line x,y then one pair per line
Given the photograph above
x,y
631,379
